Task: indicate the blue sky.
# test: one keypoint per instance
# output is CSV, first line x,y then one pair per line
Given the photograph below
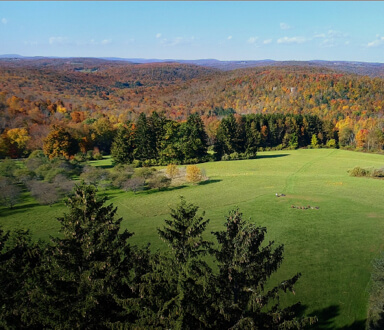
x,y
229,30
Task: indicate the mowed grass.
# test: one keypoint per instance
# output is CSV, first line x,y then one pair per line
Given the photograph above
x,y
332,246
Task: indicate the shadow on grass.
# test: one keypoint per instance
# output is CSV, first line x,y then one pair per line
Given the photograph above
x,y
156,190
326,318
271,156
148,191
203,183
104,166
17,209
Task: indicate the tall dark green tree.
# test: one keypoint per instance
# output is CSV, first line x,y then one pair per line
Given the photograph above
x,y
156,123
245,265
227,139
194,138
177,290
20,259
145,144
123,145
89,270
170,144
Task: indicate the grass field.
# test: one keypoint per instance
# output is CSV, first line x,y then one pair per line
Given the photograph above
x,y
332,246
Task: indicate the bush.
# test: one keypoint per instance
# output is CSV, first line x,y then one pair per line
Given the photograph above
x,y
144,172
80,157
193,174
133,184
378,173
137,163
120,174
159,181
225,157
331,143
172,171
358,171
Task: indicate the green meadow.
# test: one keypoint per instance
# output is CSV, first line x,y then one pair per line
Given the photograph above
x,y
332,246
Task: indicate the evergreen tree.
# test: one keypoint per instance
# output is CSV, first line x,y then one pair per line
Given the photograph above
x,y
194,138
144,140
123,145
177,290
87,275
156,124
19,260
245,264
227,139
170,144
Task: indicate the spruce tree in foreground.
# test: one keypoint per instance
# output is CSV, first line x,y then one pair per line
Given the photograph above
x,y
177,291
19,261
89,269
245,264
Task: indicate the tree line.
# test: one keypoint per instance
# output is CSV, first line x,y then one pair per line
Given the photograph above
x,y
91,277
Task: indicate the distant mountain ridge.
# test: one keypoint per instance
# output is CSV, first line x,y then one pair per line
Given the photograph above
x,y
361,68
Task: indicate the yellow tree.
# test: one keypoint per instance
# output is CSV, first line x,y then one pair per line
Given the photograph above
x,y
172,171
193,174
19,137
59,143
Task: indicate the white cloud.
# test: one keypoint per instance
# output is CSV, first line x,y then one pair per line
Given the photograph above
x,y
158,35
326,43
4,21
319,35
292,40
106,41
58,40
336,34
229,37
267,41
30,43
252,40
375,43
284,26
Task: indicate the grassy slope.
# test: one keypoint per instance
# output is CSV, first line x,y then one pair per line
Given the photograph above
x,y
332,247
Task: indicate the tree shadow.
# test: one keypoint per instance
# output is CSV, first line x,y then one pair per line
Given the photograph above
x,y
271,156
17,209
326,318
203,183
149,191
105,167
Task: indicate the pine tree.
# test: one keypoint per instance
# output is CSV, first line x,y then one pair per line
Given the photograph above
x,y
245,265
177,290
123,145
19,260
194,138
144,140
88,284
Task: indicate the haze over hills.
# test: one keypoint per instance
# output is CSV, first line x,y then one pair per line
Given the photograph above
x,y
362,68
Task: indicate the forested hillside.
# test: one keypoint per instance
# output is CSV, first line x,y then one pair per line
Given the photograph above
x,y
91,97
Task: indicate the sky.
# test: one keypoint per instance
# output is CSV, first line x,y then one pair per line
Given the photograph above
x,y
223,30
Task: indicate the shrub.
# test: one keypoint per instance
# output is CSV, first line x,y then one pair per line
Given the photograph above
x,y
193,174
159,181
378,173
358,171
172,171
331,143
137,163
225,157
133,184
144,172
